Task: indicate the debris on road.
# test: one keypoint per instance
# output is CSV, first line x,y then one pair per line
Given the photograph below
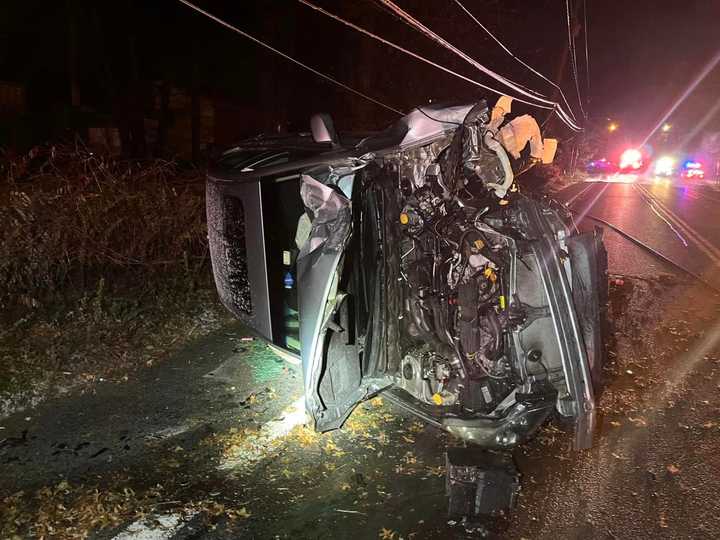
x,y
480,483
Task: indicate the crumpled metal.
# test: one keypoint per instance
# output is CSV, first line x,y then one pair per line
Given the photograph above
x,y
331,216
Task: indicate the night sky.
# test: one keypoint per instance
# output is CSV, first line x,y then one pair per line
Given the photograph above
x,y
642,55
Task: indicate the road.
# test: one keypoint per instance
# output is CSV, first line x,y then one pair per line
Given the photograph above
x,y
211,443
677,219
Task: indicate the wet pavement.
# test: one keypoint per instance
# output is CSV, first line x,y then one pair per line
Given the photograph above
x,y
211,443
677,219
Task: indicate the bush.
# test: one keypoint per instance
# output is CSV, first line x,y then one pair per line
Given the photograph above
x,y
71,217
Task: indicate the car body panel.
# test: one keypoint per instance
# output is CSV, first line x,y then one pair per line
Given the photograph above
x,y
347,261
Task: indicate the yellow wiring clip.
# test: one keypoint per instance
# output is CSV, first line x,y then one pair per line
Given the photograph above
x,y
479,244
404,218
504,202
502,301
489,273
437,399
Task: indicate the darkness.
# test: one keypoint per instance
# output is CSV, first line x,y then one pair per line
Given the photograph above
x,y
642,56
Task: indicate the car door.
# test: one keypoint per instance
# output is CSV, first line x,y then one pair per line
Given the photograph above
x,y
288,261
340,295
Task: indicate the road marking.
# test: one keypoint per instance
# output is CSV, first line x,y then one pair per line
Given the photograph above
x,y
570,201
577,217
169,432
702,244
162,527
672,227
699,238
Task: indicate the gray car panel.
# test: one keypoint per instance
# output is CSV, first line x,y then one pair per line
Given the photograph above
x,y
540,318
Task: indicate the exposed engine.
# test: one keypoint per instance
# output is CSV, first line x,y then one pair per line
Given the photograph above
x,y
454,268
422,272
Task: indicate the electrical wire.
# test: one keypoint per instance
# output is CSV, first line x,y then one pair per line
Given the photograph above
x,y
413,54
573,56
587,55
405,17
414,23
437,119
508,51
288,57
394,15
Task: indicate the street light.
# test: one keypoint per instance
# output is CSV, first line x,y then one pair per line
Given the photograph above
x,y
666,127
612,127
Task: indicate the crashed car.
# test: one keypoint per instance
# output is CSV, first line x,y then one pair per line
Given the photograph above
x,y
408,263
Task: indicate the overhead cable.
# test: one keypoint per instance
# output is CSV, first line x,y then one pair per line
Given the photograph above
x,y
411,21
552,105
573,57
587,55
288,57
508,51
413,54
392,13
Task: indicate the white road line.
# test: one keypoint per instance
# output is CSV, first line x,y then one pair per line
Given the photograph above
x,y
579,216
169,432
702,244
162,527
570,201
689,230
672,228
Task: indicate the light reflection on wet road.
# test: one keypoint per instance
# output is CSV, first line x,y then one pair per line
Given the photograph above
x,y
663,215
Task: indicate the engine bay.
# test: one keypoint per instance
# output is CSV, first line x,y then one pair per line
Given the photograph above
x,y
465,283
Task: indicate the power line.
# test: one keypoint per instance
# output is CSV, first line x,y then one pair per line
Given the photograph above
x,y
408,19
389,11
587,56
435,37
488,32
288,57
411,53
573,57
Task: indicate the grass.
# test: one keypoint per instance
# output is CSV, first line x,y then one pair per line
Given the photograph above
x,y
75,218
103,268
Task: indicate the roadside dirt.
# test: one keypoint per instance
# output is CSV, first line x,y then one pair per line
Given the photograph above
x,y
97,338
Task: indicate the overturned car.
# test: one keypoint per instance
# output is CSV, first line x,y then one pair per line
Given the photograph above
x,y
409,263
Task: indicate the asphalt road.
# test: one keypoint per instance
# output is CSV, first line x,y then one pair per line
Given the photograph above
x,y
211,444
680,220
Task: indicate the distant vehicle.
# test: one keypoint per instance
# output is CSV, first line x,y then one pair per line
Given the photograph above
x,y
408,263
692,170
665,166
632,160
601,166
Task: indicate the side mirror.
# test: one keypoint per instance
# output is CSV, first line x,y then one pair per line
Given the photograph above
x,y
323,129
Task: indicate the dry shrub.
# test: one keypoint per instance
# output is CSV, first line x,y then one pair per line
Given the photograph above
x,y
71,217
